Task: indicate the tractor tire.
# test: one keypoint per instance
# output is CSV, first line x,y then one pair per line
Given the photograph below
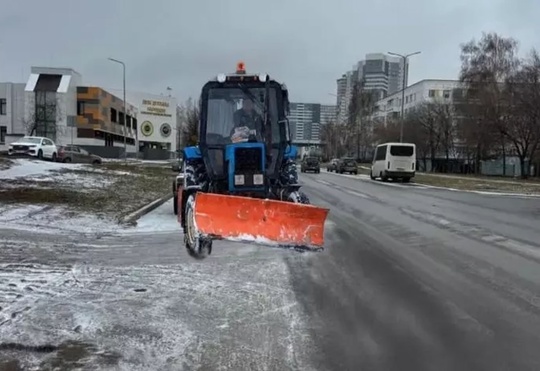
x,y
298,197
197,247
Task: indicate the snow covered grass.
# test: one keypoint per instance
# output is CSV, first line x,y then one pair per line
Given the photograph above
x,y
478,184
5,163
82,196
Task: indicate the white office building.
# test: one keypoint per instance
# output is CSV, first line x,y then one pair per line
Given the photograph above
x,y
423,91
12,125
158,121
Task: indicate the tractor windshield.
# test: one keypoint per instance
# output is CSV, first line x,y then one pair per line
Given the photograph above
x,y
237,114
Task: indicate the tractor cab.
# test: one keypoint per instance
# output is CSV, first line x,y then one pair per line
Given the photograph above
x,y
243,128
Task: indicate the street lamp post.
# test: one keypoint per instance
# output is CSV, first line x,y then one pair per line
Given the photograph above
x,y
125,110
404,57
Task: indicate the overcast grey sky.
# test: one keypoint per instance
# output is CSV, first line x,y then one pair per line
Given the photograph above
x,y
307,44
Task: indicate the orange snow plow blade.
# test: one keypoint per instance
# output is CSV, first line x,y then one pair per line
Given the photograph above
x,y
264,221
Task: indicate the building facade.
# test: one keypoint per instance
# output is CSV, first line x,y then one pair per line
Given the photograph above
x,y
51,103
101,125
328,113
157,115
11,113
344,93
59,106
382,74
379,73
305,121
429,90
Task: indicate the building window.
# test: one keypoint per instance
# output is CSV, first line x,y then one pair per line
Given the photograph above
x,y
3,132
80,108
3,106
128,121
121,118
113,115
432,93
134,123
446,94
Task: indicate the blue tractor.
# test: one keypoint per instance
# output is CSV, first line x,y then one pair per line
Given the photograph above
x,y
240,181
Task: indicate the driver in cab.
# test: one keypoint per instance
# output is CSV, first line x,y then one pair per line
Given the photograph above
x,y
247,123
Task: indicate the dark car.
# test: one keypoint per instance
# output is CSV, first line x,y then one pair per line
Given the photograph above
x,y
77,154
333,165
310,164
176,164
347,165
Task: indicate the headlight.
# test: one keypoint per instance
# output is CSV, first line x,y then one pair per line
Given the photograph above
x,y
221,77
258,179
239,180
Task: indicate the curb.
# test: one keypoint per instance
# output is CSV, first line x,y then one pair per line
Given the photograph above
x,y
132,217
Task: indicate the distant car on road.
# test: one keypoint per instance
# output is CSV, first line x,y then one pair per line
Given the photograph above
x,y
395,161
39,147
78,155
347,165
333,165
177,182
310,163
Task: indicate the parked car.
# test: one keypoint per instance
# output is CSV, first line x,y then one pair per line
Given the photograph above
x,y
310,163
347,165
39,147
77,154
333,165
177,182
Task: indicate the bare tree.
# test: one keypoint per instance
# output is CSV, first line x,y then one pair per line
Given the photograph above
x,y
414,133
189,117
486,65
43,116
386,132
330,139
360,110
522,122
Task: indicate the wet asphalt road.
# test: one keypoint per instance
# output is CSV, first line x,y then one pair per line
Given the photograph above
x,y
422,279
412,279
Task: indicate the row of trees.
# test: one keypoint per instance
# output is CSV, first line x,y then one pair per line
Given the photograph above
x,y
494,113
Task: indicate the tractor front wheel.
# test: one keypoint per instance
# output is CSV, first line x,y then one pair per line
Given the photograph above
x,y
197,246
298,197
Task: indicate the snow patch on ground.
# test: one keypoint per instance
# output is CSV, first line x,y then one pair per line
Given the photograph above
x,y
162,219
24,168
38,174
49,219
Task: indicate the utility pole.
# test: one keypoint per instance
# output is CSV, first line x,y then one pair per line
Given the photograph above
x,y
125,110
404,57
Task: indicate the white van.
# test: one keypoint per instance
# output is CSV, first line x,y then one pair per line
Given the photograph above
x,y
394,160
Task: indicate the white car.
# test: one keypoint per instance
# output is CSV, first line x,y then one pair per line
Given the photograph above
x,y
39,147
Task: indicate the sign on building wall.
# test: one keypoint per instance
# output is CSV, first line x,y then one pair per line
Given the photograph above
x,y
155,108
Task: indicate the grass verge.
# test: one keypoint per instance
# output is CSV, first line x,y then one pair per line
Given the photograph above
x,y
478,184
111,189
